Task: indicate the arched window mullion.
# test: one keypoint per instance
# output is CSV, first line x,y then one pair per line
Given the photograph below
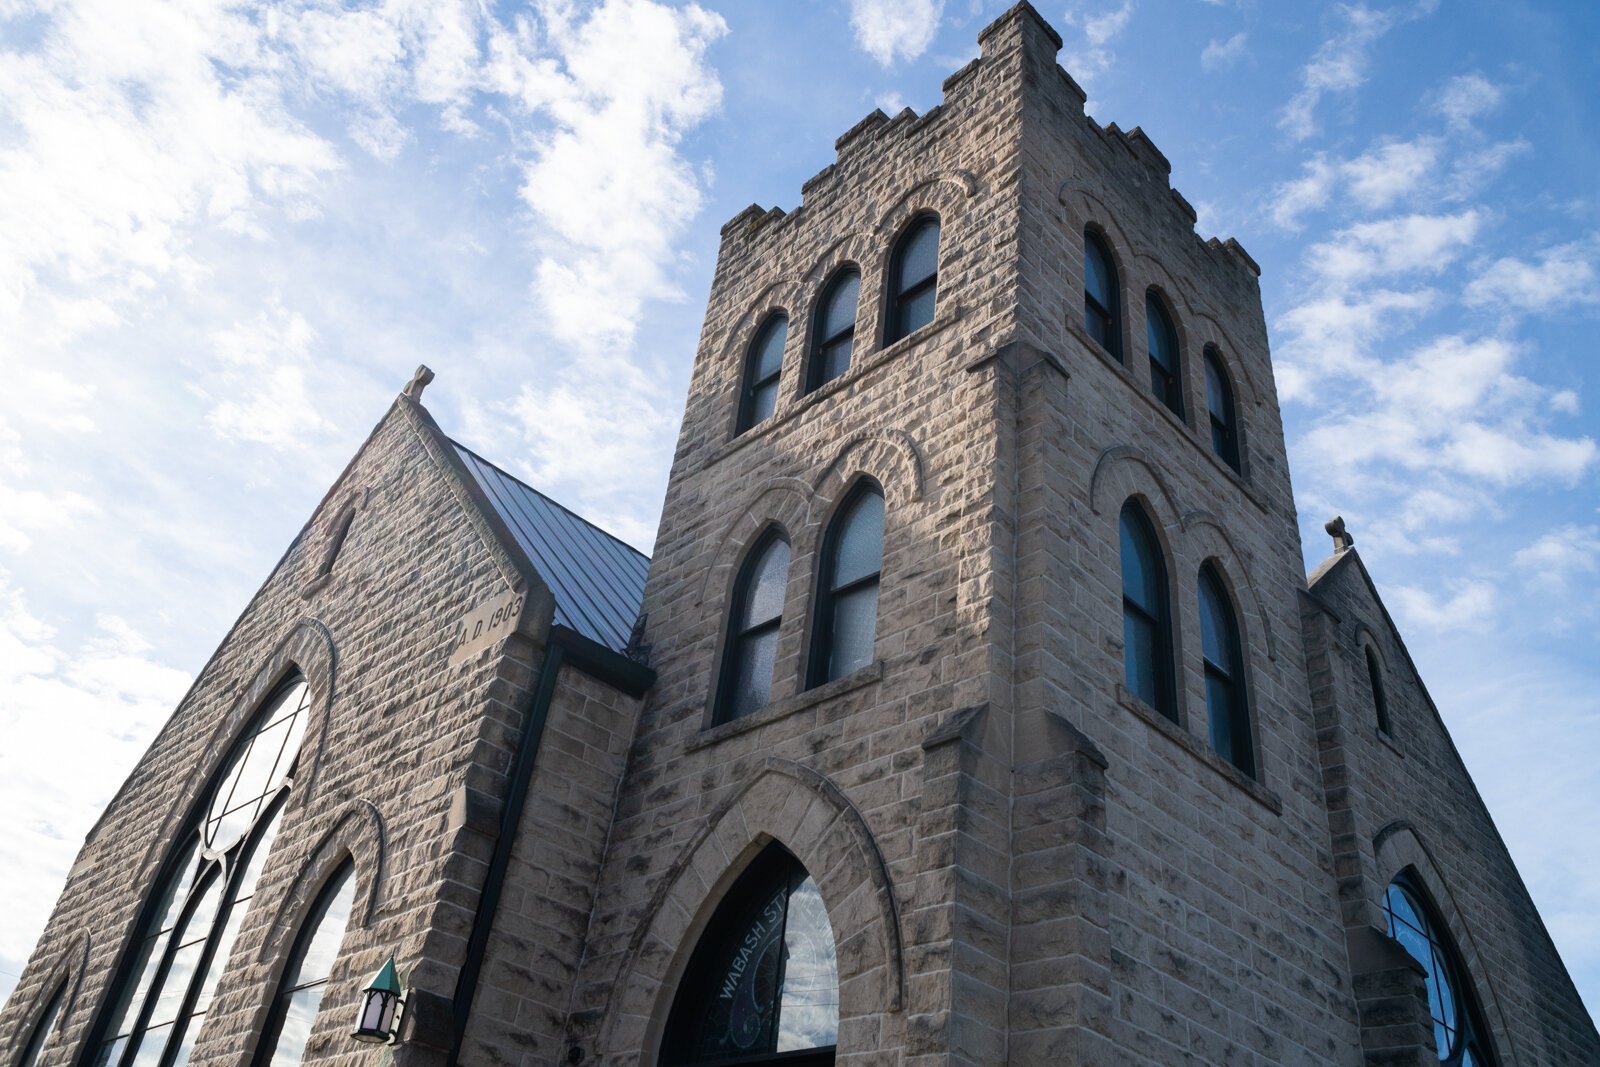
x,y
908,312
177,940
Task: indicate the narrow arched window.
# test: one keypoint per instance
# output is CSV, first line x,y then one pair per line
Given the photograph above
x,y
166,986
763,983
752,645
845,623
762,366
1226,706
294,1009
914,279
834,330
1219,409
1380,702
1146,617
1458,1031
1101,307
45,1027
1166,379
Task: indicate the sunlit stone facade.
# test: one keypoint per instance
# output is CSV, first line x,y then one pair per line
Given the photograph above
x,y
1085,771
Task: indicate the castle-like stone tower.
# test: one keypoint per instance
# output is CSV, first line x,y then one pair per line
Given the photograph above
x,y
977,711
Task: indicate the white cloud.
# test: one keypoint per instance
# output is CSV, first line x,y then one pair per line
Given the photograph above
x,y
1309,192
1390,172
1467,97
76,717
1219,54
259,387
1410,244
895,29
1563,276
1339,65
1468,606
1562,555
1092,58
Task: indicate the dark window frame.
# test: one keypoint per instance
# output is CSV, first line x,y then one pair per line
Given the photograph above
x,y
822,345
1157,617
1224,425
1165,382
819,670
1234,675
310,926
1380,699
1108,335
901,295
740,633
749,385
1474,1034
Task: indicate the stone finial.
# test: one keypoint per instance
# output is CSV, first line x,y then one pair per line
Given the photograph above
x,y
1342,539
419,381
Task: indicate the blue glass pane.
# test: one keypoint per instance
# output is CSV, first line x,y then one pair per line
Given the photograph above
x,y
840,312
766,581
753,673
1218,635
1142,573
299,1015
1160,336
808,1005
768,358
835,359
1099,325
1099,279
919,255
858,545
916,311
1220,711
855,626
1218,396
151,1044
763,402
1140,660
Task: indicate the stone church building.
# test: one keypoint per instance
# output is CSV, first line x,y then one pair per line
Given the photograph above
x,y
973,709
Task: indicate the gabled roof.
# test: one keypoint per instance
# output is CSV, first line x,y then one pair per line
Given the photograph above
x,y
597,580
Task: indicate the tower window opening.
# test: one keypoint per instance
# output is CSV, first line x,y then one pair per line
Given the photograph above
x,y
1101,307
835,328
1146,615
1166,378
752,645
914,276
763,366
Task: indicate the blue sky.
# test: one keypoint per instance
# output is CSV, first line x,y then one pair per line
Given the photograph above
x,y
229,232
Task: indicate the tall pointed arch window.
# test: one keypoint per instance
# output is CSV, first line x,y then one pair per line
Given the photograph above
x,y
1166,378
45,1027
834,330
165,990
1220,411
294,1009
1102,316
763,365
1380,702
1146,614
752,644
1226,705
763,983
845,625
914,279
1458,1031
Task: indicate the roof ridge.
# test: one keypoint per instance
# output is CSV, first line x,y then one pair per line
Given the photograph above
x,y
547,498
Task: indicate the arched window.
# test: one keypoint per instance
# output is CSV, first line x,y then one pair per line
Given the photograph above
x,y
759,398
1166,379
913,279
1226,705
165,989
1380,702
1219,408
1458,1031
845,622
294,1009
763,983
752,646
1146,618
834,330
1101,308
45,1027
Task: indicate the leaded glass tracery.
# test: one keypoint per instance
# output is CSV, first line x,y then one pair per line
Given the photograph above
x,y
168,985
763,983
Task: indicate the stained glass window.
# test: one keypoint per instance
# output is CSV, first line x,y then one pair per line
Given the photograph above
x,y
1166,381
752,647
759,398
294,1010
1100,301
835,328
763,983
1458,1032
1146,620
1226,706
914,279
846,622
167,986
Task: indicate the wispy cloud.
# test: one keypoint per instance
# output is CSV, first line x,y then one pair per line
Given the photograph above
x,y
1219,55
1557,277
1090,57
1341,62
1566,553
1466,98
888,30
1467,606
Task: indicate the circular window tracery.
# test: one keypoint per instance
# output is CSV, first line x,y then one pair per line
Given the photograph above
x,y
1458,1034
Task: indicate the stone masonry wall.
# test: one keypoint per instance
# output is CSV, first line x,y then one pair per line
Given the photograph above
x,y
397,734
1405,801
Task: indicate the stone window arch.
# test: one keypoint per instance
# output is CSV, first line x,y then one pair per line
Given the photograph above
x,y
762,985
305,976
755,616
763,366
833,327
845,609
1146,613
169,977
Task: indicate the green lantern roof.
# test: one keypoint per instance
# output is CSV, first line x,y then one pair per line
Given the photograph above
x,y
387,979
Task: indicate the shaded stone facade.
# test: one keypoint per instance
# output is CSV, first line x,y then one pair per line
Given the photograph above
x,y
1022,861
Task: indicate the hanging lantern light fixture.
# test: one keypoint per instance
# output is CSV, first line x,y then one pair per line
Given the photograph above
x,y
380,1007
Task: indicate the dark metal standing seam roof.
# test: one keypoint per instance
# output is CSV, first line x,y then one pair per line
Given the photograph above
x,y
597,580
